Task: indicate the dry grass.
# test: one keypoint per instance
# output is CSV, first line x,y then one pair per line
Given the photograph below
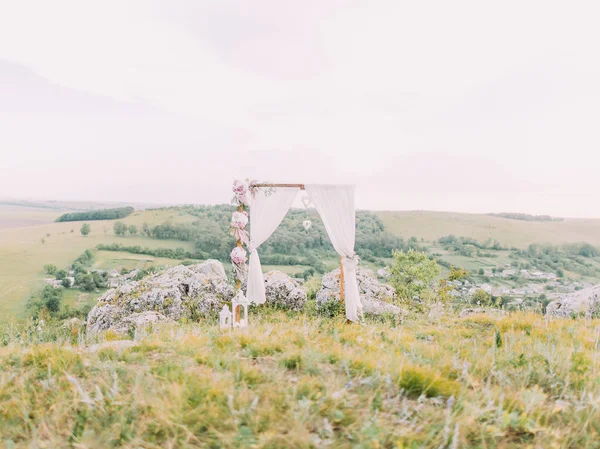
x,y
300,382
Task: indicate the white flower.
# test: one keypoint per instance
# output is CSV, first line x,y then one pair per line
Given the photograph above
x,y
238,255
239,220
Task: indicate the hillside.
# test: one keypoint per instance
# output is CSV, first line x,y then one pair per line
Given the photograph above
x,y
509,232
25,250
30,239
298,381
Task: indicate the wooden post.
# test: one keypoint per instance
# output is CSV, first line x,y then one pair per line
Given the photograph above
x,y
342,279
238,283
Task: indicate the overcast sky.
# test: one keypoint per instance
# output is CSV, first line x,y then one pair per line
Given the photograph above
x,y
463,106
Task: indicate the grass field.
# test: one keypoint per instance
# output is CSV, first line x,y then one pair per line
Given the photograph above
x,y
25,250
17,216
512,233
298,381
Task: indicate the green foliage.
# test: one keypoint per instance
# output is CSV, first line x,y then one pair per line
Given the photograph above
x,y
85,282
558,259
167,253
498,339
133,230
211,233
120,228
50,269
417,381
458,274
61,274
411,273
85,229
48,299
466,246
332,309
482,298
312,286
103,214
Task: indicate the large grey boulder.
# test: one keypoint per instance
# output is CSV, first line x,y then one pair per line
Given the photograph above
x,y
283,291
375,296
584,302
179,292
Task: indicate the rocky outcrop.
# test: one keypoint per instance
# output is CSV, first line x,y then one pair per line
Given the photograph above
x,y
179,292
142,320
582,303
481,311
283,292
375,296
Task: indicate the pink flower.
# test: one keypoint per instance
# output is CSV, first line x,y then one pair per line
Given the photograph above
x,y
239,220
240,187
238,255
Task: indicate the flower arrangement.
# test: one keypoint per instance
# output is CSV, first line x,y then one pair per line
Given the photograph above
x,y
238,259
239,220
243,191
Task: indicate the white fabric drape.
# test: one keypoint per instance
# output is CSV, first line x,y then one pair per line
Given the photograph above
x,y
266,213
335,205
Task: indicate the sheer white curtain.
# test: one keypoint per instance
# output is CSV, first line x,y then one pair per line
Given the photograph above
x,y
335,205
266,213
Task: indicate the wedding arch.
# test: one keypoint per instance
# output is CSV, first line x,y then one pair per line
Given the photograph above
x,y
268,204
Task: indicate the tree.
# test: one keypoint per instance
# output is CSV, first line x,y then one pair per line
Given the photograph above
x,y
85,229
457,274
50,269
66,283
99,280
51,299
481,272
412,272
482,298
86,281
60,275
133,230
120,228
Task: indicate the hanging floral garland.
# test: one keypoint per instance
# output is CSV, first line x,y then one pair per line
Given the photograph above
x,y
243,192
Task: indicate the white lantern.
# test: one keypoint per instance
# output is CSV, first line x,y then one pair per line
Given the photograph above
x,y
240,303
225,317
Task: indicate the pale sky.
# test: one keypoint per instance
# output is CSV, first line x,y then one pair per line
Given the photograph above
x,y
437,105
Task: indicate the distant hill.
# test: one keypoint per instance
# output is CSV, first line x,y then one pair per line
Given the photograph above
x,y
525,217
511,233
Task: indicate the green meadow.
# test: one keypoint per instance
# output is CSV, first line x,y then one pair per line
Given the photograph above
x,y
300,381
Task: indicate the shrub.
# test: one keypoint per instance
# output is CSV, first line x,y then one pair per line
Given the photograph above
x,y
411,273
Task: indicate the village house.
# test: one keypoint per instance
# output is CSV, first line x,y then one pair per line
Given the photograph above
x,y
53,282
